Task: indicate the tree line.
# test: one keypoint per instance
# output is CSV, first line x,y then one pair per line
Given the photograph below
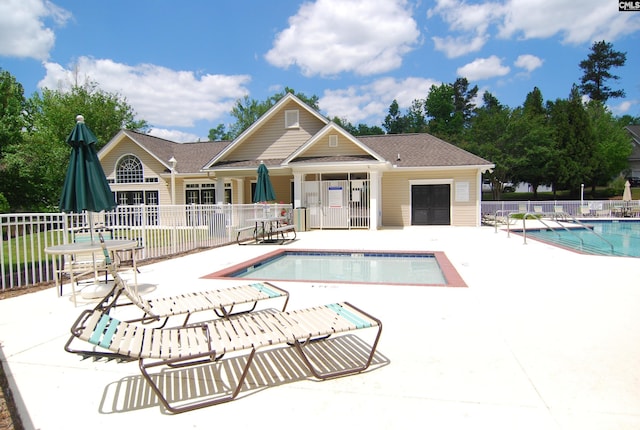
x,y
33,151
562,143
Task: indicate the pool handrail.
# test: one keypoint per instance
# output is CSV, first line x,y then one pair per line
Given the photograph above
x,y
565,216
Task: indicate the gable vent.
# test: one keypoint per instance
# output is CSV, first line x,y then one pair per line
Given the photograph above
x,y
333,141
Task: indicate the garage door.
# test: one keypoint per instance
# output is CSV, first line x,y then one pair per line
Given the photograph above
x,y
431,204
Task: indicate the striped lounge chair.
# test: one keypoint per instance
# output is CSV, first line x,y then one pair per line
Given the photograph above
x,y
224,301
208,342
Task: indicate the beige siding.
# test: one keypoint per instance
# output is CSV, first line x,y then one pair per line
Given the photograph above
x,y
274,141
149,165
396,196
322,148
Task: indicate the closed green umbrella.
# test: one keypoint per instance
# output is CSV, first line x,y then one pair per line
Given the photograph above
x,y
85,185
264,190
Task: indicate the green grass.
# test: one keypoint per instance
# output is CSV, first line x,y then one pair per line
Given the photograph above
x,y
30,247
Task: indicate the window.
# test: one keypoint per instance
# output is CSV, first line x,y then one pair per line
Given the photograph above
x,y
129,170
333,141
291,119
205,193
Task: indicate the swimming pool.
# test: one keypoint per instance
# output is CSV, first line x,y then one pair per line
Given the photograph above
x,y
614,237
346,266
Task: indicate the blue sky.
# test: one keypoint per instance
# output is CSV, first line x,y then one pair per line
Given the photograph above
x,y
182,65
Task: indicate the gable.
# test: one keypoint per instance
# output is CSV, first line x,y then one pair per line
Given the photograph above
x,y
276,134
333,144
275,141
151,165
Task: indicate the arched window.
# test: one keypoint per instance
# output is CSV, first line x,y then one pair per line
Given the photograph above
x,y
129,170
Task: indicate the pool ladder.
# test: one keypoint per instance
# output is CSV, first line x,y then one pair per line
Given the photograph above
x,y
555,217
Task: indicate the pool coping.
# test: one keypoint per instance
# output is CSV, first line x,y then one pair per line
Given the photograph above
x,y
451,275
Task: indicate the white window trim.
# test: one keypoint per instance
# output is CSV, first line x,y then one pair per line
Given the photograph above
x,y
291,119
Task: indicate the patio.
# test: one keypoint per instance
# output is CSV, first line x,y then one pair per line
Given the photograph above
x,y
542,338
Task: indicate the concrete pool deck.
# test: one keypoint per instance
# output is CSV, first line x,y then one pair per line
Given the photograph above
x,y
542,338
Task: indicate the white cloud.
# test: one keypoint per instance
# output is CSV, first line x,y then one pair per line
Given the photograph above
x,y
581,22
23,32
161,96
483,68
174,135
624,107
369,103
575,22
528,62
462,16
458,46
329,37
471,21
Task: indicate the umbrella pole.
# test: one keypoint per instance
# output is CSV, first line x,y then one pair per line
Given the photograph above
x,y
90,218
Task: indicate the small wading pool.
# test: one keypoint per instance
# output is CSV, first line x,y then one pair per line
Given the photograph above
x,y
344,266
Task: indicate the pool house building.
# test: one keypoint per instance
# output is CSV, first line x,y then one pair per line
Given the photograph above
x,y
343,181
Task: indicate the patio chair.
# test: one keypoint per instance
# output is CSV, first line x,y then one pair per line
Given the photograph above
x,y
82,264
207,342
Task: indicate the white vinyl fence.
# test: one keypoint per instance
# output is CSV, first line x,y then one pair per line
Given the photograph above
x,y
575,208
160,231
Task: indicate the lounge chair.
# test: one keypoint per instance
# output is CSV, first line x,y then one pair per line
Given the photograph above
x,y
208,342
223,301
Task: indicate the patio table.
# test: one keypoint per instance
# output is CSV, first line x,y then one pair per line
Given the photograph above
x,y
267,225
88,247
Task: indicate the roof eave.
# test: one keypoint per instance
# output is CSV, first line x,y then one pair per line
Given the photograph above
x,y
482,167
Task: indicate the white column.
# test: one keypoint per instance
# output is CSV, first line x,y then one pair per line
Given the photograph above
x,y
375,214
297,190
219,190
173,162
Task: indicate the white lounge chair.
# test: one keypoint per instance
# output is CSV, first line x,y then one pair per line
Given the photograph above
x,y
208,342
224,301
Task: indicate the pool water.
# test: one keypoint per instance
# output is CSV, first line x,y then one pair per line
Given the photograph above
x,y
615,237
403,268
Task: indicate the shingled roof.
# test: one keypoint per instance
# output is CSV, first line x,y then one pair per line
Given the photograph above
x,y
190,156
634,130
402,150
420,150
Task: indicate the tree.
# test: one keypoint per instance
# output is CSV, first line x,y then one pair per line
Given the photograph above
x,y
219,133
440,108
574,143
12,121
360,129
612,144
486,138
35,168
532,142
463,97
415,120
12,105
596,70
394,122
54,112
